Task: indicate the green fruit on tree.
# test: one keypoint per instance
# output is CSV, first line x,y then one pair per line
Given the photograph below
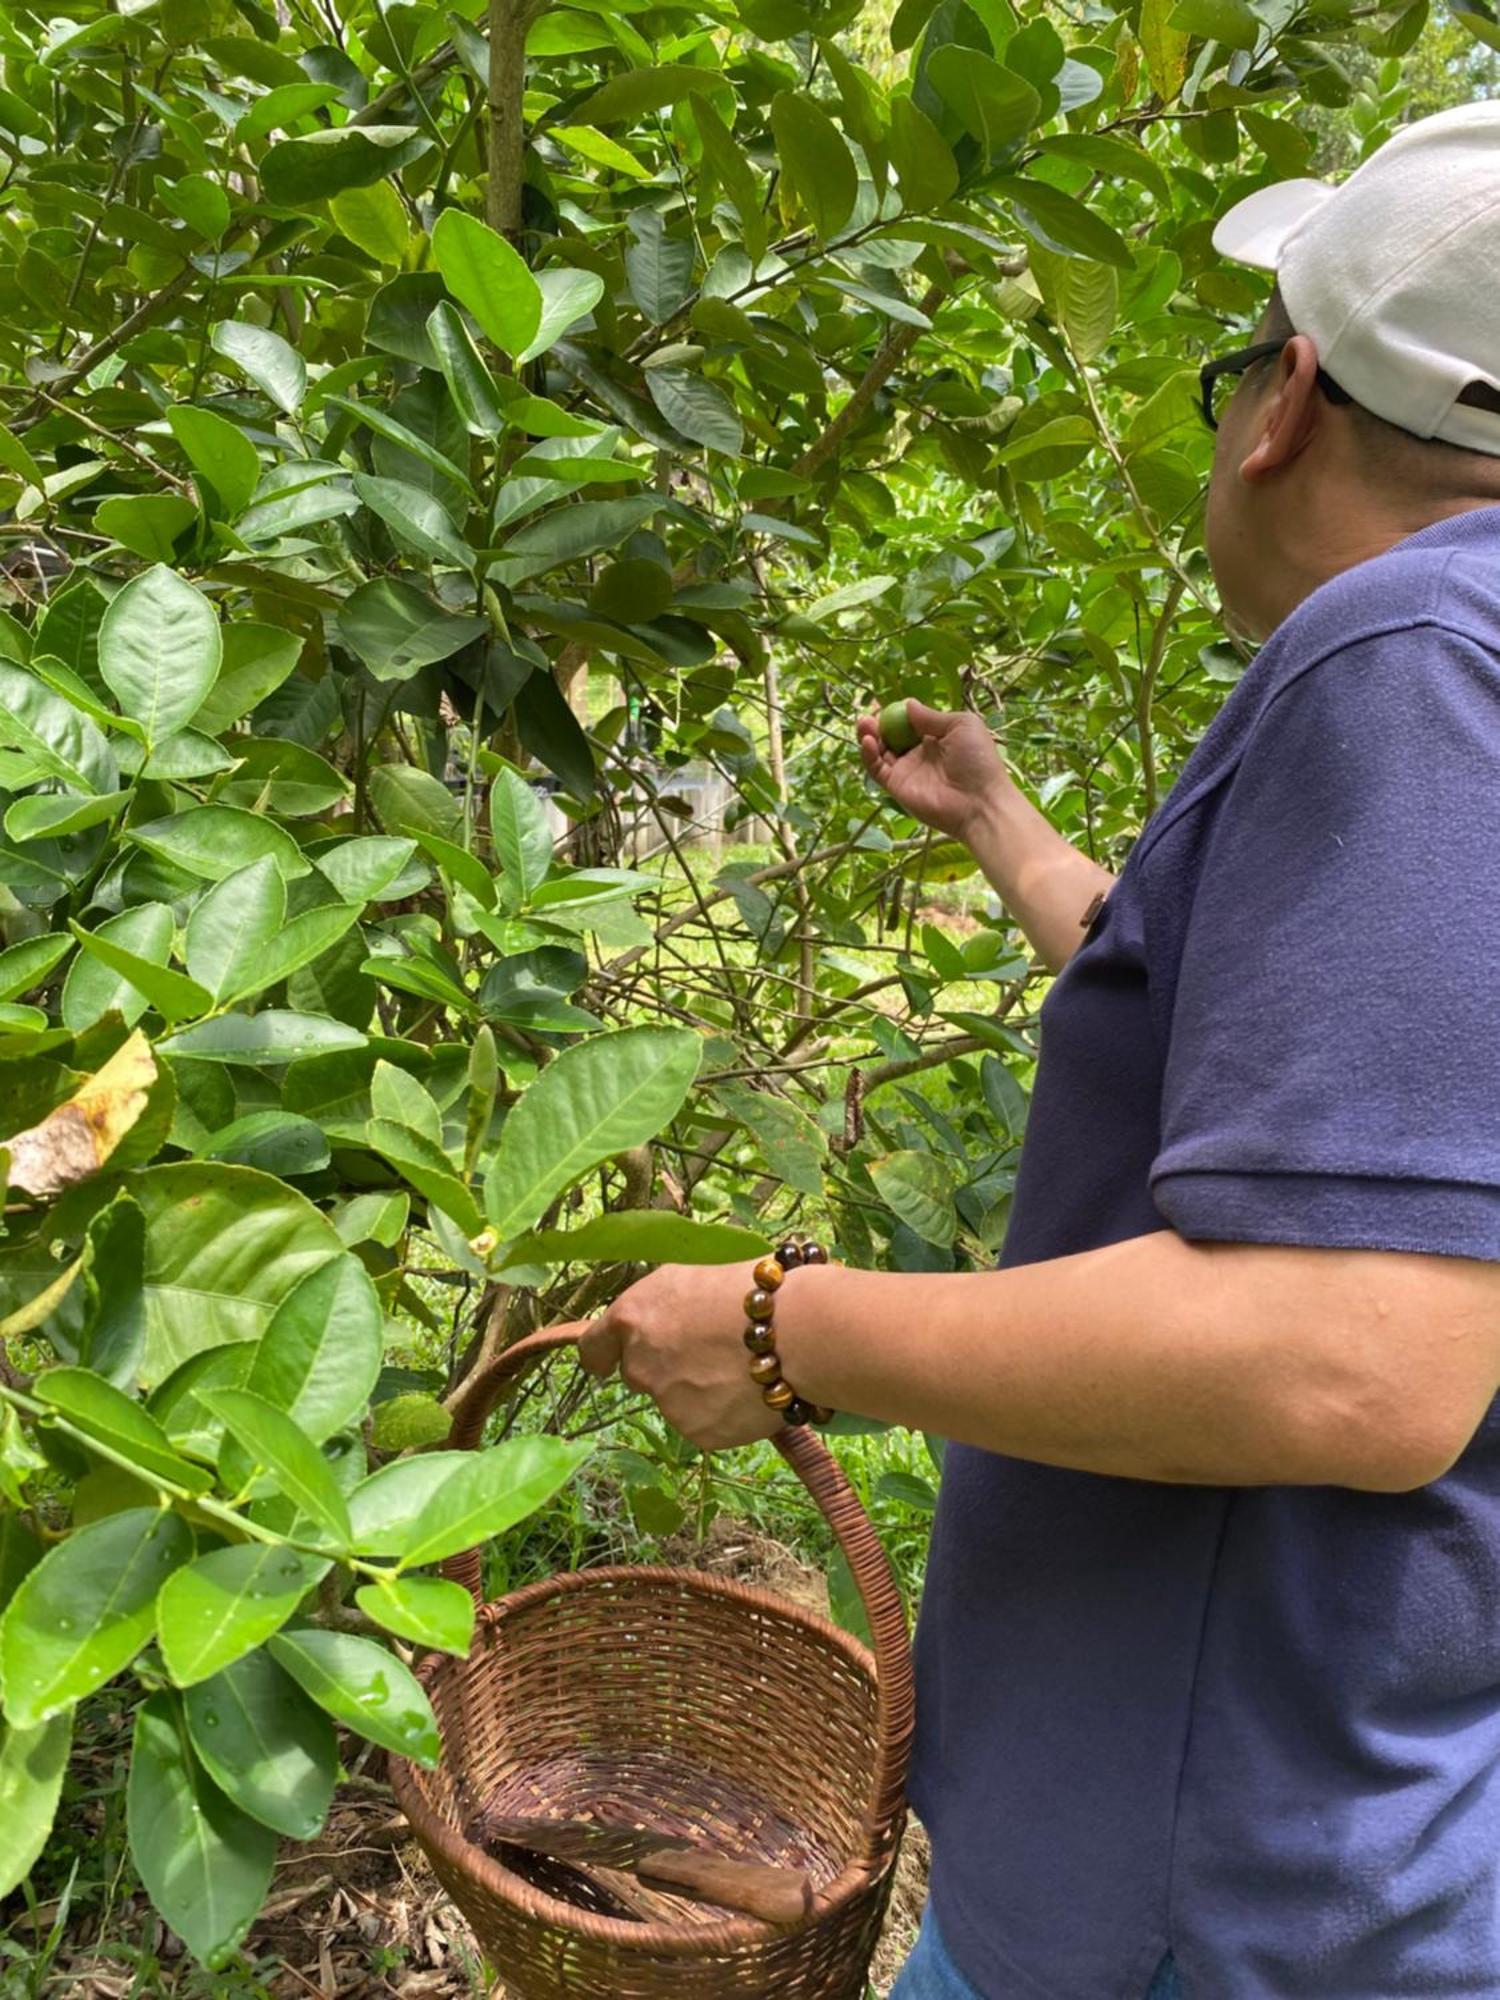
x,y
896,730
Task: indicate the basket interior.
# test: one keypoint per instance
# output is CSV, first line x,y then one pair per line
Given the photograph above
x,y
665,1700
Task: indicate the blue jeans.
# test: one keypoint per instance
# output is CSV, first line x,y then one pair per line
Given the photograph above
x,y
930,1974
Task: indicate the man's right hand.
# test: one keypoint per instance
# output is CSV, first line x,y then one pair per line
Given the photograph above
x,y
956,781
951,779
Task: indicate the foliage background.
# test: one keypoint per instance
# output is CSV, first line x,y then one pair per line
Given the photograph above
x,y
409,413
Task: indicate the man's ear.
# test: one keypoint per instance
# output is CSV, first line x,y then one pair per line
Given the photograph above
x,y
1289,412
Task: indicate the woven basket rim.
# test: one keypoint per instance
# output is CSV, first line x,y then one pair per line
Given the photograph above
x,y
661,1939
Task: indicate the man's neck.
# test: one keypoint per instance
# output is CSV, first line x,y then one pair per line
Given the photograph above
x,y
1316,559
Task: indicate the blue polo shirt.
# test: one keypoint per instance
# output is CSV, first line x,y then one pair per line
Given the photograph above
x,y
1257,1726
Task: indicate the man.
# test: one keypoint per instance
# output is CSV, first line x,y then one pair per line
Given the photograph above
x,y
1210,1652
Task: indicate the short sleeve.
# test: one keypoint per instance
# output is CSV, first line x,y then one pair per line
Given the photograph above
x,y
1332,1071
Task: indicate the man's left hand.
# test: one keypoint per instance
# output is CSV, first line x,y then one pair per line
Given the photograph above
x,y
676,1335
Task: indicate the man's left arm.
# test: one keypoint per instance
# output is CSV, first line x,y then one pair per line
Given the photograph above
x,y
1156,1358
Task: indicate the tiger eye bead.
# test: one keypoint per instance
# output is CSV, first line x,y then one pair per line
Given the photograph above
x,y
818,1415
759,1304
779,1396
789,1256
768,1274
814,1253
798,1412
759,1339
765,1369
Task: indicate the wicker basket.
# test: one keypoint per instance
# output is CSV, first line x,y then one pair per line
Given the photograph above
x,y
691,1706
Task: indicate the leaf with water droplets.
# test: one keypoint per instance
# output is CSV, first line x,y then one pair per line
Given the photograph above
x,y
428,1610
206,1866
227,1603
264,1745
86,1610
364,1687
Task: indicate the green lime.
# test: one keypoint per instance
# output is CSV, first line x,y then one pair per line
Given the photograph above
x,y
896,731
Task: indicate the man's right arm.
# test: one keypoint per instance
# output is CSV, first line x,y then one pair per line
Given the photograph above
x,y
1047,884
956,781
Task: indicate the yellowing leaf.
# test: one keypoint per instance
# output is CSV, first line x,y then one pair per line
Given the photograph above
x,y
74,1141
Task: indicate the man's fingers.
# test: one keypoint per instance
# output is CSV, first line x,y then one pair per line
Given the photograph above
x,y
599,1348
930,721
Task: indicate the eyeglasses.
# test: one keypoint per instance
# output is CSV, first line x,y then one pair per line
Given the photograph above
x,y
1229,366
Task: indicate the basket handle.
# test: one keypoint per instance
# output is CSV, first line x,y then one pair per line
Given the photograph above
x,y
835,1500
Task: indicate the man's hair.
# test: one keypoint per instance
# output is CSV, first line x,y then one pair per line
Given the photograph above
x,y
1392,453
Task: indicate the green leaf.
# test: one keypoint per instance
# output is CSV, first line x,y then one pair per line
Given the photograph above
x,y
257,659
320,1356
470,383
642,1236
274,1036
1066,222
224,1246
489,1493
523,839
265,1746
397,630
552,733
205,1865
414,517
1231,22
992,103
634,91
923,160
1083,298
61,742
733,172
104,1412
32,1764
658,267
148,524
593,1101
277,1444
374,220
793,1146
384,1508
424,1609
429,1170
201,203
174,997
51,815
319,165
221,455
566,297
86,1610
816,161
918,1188
385,426
226,1604
364,1687
93,989
272,365
485,274
214,841
25,965
275,1141
232,924
581,529
409,801
1061,434
696,408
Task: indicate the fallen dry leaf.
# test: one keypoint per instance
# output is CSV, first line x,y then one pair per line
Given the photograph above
x,y
74,1141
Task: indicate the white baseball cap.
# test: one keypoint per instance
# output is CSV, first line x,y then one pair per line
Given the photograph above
x,y
1395,274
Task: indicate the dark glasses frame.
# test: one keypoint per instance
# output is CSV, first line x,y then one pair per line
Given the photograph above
x,y
1246,357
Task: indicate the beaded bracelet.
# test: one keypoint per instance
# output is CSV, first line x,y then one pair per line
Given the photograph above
x,y
760,1332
